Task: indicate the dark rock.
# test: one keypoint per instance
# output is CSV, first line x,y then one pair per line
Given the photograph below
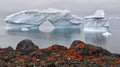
x,y
9,49
51,64
117,55
26,45
83,51
100,50
107,59
79,54
74,44
59,47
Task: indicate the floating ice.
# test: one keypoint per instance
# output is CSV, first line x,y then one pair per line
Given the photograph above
x,y
24,29
106,34
96,22
32,19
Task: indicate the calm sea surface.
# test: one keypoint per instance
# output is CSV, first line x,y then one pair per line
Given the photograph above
x,y
63,37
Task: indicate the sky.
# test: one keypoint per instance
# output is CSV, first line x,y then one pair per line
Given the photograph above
x,y
79,7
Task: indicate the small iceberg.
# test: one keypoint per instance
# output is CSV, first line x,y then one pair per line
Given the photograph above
x,y
106,34
24,29
96,22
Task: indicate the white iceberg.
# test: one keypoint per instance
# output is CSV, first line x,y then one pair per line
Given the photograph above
x,y
24,29
106,34
96,22
97,14
32,19
48,28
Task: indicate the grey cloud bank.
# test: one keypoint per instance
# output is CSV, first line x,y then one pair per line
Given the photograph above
x,y
79,7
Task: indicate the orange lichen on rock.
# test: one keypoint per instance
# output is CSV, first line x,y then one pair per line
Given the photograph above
x,y
42,62
90,50
73,55
70,52
111,66
27,57
21,60
79,57
37,51
51,59
61,52
34,58
54,47
80,45
100,54
103,63
97,59
96,47
117,60
17,55
91,57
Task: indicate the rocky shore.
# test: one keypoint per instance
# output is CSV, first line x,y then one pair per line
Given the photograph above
x,y
79,54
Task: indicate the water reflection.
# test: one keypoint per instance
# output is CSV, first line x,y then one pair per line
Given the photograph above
x,y
43,39
95,38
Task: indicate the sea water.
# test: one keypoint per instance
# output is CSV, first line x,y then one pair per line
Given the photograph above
x,y
63,36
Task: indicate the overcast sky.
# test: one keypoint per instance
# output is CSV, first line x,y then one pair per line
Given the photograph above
x,y
76,6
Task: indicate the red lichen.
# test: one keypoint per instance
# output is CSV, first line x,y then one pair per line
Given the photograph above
x,y
51,59
117,60
1,51
27,57
17,55
42,62
111,66
79,57
80,45
37,51
21,60
34,58
97,59
73,55
61,52
103,63
96,47
100,54
90,50
54,47
91,57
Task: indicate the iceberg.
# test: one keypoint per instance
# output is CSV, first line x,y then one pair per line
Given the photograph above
x,y
48,28
32,19
96,22
106,34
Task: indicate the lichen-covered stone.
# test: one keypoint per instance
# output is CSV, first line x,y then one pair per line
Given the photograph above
x,y
26,45
78,55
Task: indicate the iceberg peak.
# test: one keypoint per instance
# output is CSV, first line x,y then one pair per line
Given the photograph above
x,y
98,14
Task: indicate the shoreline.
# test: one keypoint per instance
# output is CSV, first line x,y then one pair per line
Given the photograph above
x,y
79,54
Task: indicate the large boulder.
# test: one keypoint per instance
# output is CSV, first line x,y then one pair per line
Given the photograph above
x,y
87,49
26,45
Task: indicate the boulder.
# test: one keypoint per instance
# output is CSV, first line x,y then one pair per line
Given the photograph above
x,y
79,47
9,49
87,49
26,45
